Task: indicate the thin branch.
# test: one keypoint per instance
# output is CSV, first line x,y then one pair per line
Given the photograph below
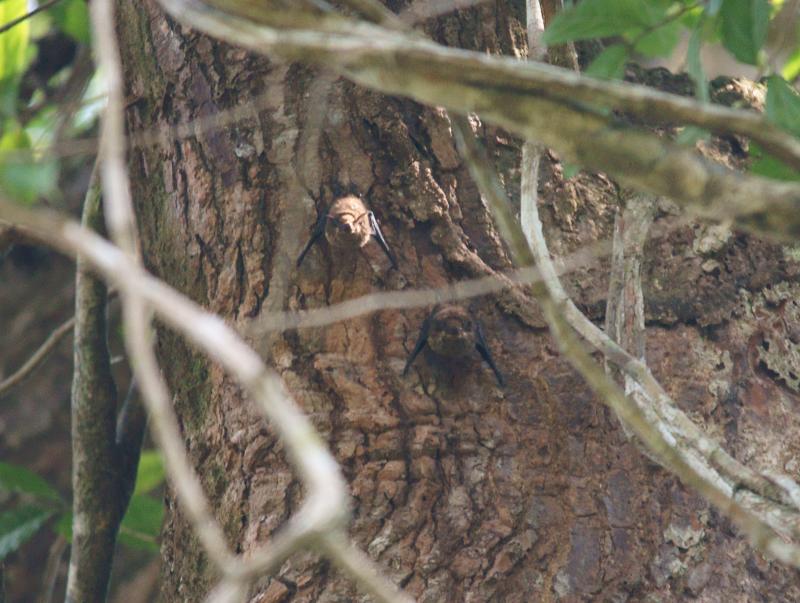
x,y
131,426
422,10
537,50
95,518
228,591
38,356
531,152
402,300
51,568
326,507
14,22
538,102
136,316
625,304
119,214
361,568
562,317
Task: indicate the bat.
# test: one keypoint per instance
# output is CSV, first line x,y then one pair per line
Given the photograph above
x,y
449,330
348,224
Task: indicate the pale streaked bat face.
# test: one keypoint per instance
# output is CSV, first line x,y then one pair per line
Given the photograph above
x,y
348,223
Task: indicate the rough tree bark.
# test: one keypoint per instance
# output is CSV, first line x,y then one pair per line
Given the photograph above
x,y
463,491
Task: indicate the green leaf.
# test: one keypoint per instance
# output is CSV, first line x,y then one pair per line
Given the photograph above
x,y
72,17
694,66
63,526
18,525
744,27
28,181
609,64
783,105
14,478
21,179
791,68
661,41
766,165
14,42
142,523
570,170
601,18
150,473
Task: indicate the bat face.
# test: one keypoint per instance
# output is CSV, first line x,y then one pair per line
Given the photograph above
x,y
348,224
452,332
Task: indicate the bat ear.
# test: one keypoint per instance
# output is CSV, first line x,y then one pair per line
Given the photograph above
x,y
319,230
421,341
486,354
378,236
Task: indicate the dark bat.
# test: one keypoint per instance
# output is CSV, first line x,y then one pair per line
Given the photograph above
x,y
348,224
449,330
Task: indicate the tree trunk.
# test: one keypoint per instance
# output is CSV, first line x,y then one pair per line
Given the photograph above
x,y
462,490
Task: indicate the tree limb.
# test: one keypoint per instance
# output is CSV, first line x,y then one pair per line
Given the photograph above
x,y
538,102
95,505
687,458
326,506
35,359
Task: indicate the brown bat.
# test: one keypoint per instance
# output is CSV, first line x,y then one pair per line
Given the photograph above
x,y
347,224
449,330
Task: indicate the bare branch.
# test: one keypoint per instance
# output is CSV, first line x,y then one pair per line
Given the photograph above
x,y
531,152
38,356
361,568
563,317
14,22
399,300
537,50
51,569
136,315
538,102
95,519
326,507
625,306
422,10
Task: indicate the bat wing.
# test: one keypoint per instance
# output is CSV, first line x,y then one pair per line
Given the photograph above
x,y
378,236
319,230
421,341
483,350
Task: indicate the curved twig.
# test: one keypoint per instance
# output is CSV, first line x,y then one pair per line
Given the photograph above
x,y
547,104
689,459
35,359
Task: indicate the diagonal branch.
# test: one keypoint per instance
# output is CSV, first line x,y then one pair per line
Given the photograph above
x,y
35,359
21,19
538,102
764,523
136,316
326,507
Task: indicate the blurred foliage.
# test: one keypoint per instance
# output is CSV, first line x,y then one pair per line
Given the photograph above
x,y
38,78
31,501
47,97
755,32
